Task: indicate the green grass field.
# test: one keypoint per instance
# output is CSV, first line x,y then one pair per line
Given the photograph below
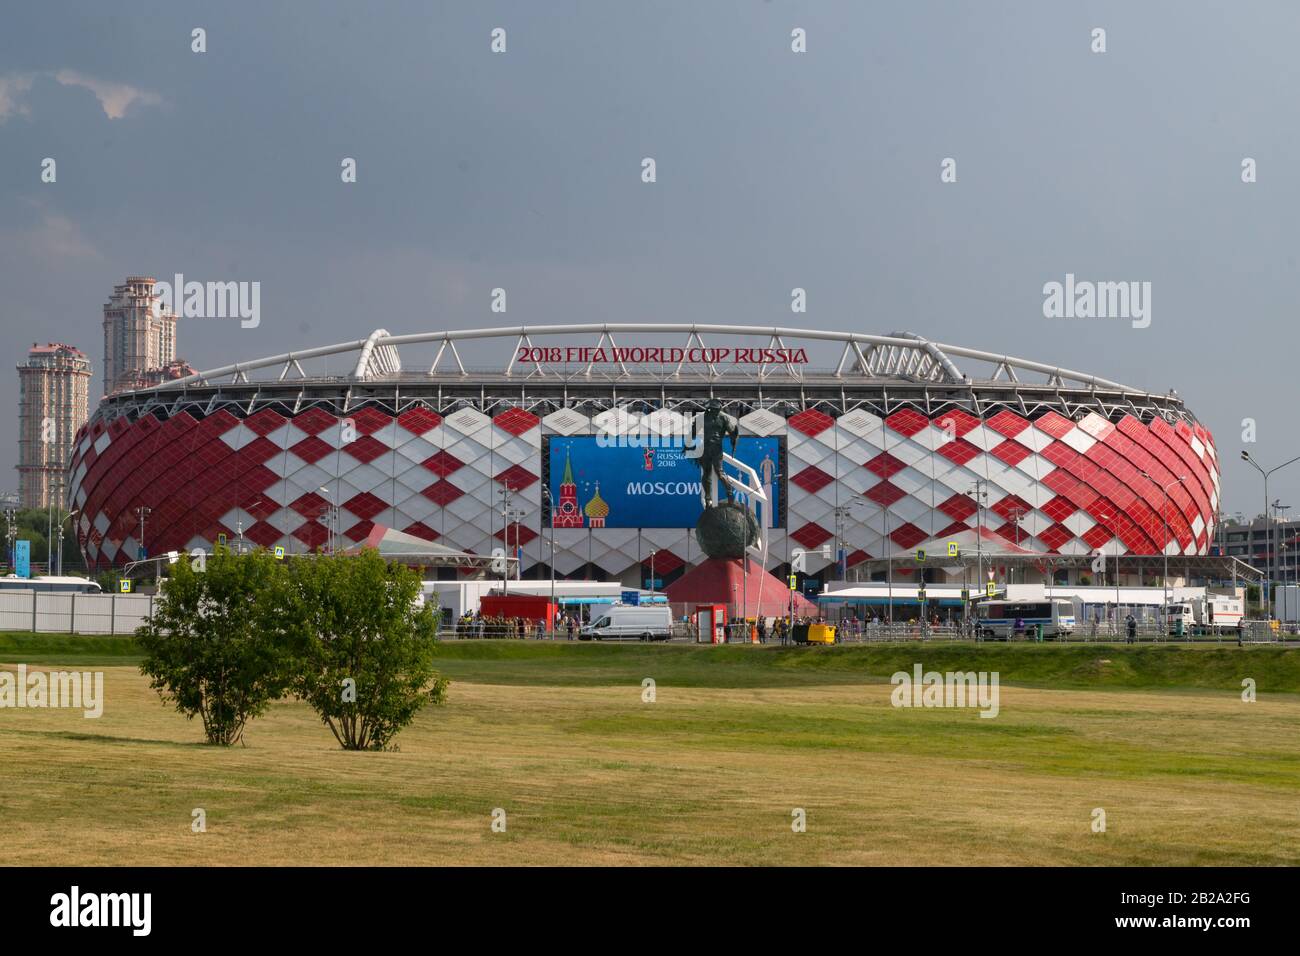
x,y
559,738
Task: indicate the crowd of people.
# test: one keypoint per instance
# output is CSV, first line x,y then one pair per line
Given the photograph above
x,y
478,625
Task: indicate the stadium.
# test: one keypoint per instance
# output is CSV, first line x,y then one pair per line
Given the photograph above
x,y
559,452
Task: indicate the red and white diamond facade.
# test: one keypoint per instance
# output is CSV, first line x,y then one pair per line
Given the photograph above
x,y
1069,467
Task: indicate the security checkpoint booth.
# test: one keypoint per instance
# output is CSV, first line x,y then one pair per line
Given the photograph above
x,y
710,622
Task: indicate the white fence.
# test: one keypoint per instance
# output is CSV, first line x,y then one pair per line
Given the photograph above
x,y
73,613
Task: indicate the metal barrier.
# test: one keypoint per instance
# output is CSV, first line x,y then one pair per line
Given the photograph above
x,y
73,613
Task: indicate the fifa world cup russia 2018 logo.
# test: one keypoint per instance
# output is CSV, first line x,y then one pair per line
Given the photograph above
x,y
649,459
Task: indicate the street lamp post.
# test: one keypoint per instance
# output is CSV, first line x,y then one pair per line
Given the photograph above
x,y
513,517
1015,514
1164,547
331,515
70,514
143,512
980,495
1107,516
505,491
550,509
1268,546
11,516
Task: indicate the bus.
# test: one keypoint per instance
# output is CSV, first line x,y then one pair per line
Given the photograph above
x,y
49,584
996,620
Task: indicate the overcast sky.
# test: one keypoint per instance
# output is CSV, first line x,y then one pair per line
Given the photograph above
x,y
775,169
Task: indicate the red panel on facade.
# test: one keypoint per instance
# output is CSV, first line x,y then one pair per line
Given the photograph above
x,y
419,420
311,449
443,463
958,451
811,535
812,479
955,422
365,505
516,421
1007,424
811,422
1012,452
365,449
314,421
885,493
264,422
885,465
442,493
1058,426
908,535
516,477
907,422
960,507
369,420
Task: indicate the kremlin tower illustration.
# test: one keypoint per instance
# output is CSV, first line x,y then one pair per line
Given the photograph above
x,y
566,513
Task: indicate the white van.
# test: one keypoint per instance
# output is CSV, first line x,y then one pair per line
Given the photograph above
x,y
621,621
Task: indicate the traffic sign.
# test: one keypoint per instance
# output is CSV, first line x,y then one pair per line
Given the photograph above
x,y
953,549
920,554
794,584
920,595
992,589
124,585
279,553
221,539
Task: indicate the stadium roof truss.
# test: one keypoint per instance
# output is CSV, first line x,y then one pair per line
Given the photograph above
x,y
901,368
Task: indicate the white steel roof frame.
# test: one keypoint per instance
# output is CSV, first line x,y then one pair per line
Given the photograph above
x,y
901,355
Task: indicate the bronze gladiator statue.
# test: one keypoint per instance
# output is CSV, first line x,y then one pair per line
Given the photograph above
x,y
717,427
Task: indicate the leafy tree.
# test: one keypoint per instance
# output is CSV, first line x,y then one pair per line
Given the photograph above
x,y
217,643
365,650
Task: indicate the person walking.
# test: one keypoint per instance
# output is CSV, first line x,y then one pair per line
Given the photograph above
x,y
1132,626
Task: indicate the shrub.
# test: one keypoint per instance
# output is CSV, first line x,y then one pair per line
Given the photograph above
x,y
364,650
216,644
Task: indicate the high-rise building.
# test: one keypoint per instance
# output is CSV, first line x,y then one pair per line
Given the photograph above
x,y
54,393
139,335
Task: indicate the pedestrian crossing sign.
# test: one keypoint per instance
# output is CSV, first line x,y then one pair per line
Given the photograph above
x,y
124,585
279,553
991,589
953,550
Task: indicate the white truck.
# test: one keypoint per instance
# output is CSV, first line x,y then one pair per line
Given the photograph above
x,y
1211,614
625,621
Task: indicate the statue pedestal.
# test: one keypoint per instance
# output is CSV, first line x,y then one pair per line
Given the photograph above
x,y
726,530
738,584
